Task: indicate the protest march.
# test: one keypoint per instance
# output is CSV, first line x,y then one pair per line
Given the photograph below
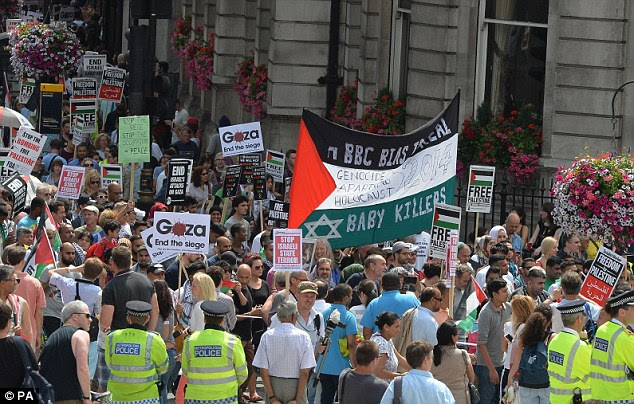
x,y
152,257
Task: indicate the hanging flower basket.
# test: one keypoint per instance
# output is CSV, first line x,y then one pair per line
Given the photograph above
x,y
595,197
250,85
44,51
196,52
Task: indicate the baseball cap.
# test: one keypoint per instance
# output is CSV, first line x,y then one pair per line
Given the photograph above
x,y
156,269
91,208
398,246
307,287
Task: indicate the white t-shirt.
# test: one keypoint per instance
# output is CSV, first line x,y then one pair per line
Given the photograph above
x,y
87,291
508,329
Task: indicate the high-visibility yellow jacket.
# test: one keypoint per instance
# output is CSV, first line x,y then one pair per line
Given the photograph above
x,y
612,359
136,358
568,367
214,363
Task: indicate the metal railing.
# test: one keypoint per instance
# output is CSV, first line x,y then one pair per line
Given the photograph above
x,y
529,197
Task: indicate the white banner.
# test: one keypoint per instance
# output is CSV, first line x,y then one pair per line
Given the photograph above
x,y
26,149
157,255
182,232
241,139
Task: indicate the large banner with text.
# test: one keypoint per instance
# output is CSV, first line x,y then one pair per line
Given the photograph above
x,y
356,188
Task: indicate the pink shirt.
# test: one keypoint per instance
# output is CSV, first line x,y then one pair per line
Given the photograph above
x,y
30,289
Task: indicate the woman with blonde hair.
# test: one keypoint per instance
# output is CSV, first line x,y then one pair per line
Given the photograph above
x,y
548,249
324,250
203,288
92,181
523,307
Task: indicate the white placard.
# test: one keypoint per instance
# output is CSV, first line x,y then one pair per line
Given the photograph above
x,y
157,255
241,139
182,232
422,241
26,149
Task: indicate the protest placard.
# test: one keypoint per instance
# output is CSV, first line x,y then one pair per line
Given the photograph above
x,y
50,112
241,139
177,174
87,109
446,219
77,129
452,253
158,255
275,165
94,66
27,87
70,182
480,192
84,88
231,183
12,23
134,139
26,149
112,83
422,242
259,183
182,232
17,187
287,250
603,276
287,188
248,161
111,173
5,172
278,214
66,14
308,253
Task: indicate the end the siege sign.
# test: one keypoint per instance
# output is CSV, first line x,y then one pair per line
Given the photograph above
x,y
241,139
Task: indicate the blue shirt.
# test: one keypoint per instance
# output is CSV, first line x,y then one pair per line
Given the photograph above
x,y
29,223
419,386
391,300
424,326
516,241
335,362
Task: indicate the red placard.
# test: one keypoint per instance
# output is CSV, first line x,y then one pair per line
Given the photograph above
x,y
603,276
70,182
287,250
112,82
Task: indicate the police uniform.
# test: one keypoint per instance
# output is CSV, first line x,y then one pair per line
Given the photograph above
x,y
136,358
213,361
569,360
612,360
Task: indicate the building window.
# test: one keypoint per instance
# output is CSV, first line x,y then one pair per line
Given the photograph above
x,y
512,54
401,17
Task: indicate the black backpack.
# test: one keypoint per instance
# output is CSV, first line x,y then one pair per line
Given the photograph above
x,y
94,324
34,380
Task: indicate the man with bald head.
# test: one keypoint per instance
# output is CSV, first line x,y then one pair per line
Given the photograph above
x,y
511,225
115,193
223,244
243,301
67,235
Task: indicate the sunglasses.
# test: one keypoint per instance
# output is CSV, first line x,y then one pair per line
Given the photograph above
x,y
227,271
438,299
102,196
94,182
85,314
16,280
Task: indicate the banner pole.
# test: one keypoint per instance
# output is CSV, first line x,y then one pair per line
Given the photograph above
x,y
132,172
180,276
451,296
261,216
477,224
224,209
287,284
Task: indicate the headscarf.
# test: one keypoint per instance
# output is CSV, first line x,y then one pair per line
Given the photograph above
x,y
157,207
494,232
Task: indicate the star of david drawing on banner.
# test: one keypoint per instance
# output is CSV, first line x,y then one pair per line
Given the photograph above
x,y
324,221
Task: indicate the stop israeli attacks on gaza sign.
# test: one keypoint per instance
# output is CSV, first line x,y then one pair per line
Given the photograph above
x,y
241,139
181,232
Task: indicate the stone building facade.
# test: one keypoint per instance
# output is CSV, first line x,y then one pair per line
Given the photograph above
x,y
564,57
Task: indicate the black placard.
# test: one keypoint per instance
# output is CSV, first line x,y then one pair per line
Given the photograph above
x,y
278,214
17,187
231,183
50,116
248,162
287,188
177,173
259,183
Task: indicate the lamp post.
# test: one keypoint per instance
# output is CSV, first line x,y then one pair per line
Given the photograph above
x,y
616,138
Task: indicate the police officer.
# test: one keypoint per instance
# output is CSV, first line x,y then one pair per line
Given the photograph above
x,y
136,358
568,356
612,364
213,360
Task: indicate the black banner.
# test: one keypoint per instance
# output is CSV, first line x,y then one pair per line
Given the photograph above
x,y
231,183
17,187
248,162
259,183
278,214
177,173
50,113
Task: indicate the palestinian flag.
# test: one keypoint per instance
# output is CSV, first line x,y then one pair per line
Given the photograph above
x,y
111,172
41,254
275,159
447,218
356,188
480,178
49,224
474,300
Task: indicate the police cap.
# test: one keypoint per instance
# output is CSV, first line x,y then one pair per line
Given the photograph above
x,y
214,308
138,308
572,307
624,299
